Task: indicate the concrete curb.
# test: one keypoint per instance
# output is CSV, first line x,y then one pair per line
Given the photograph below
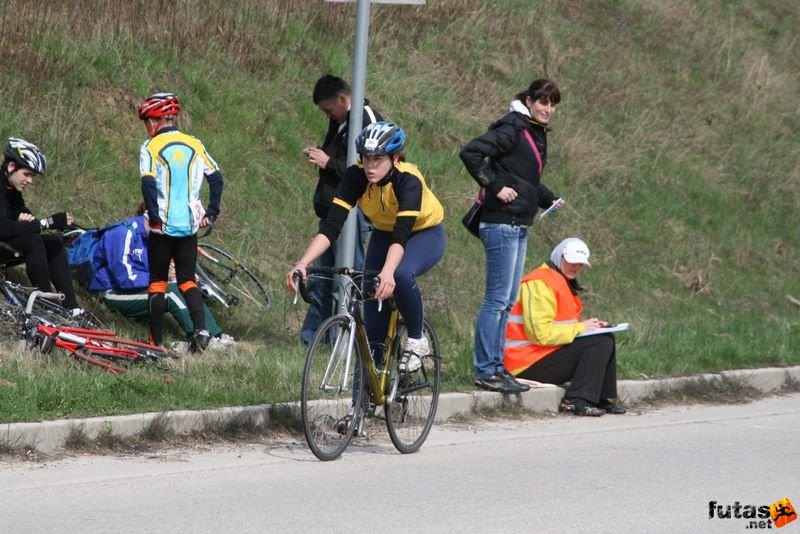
x,y
49,436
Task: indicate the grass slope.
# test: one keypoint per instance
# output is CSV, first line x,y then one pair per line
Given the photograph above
x,y
676,147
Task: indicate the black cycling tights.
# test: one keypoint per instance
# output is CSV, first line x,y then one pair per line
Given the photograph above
x,y
183,251
46,260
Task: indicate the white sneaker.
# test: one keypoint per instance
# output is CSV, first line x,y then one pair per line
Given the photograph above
x,y
411,358
181,347
222,342
226,340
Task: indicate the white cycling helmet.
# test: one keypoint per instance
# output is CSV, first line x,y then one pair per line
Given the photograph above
x,y
25,154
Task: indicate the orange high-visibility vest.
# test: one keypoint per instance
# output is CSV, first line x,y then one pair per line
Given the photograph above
x,y
521,352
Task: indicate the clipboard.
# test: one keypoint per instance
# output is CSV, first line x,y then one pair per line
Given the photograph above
x,y
621,327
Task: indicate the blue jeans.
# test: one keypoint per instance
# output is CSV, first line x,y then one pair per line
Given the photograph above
x,y
321,291
505,247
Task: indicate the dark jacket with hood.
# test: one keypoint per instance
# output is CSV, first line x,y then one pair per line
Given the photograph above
x,y
11,205
502,157
335,146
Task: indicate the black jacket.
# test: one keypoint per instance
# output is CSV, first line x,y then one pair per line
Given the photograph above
x,y
11,205
335,146
511,163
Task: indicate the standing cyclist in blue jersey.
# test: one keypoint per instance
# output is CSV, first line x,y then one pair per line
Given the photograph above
x,y
173,166
407,241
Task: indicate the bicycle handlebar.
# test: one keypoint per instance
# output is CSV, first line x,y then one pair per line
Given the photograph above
x,y
36,294
302,286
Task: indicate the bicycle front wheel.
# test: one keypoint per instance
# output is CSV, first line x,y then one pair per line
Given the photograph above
x,y
240,284
413,397
332,389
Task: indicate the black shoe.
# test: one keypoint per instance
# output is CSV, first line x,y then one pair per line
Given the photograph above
x,y
199,340
514,383
611,408
580,406
500,384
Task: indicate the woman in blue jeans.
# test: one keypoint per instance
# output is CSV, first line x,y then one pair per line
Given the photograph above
x,y
507,162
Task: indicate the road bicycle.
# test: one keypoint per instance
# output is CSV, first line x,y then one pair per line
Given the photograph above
x,y
34,316
100,348
13,299
343,386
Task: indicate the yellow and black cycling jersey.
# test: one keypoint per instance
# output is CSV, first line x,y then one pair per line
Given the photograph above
x,y
401,203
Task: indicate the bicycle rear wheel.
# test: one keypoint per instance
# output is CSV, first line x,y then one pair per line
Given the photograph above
x,y
240,284
329,406
413,397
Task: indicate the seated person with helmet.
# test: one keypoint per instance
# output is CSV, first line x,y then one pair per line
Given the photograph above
x,y
120,270
44,254
541,336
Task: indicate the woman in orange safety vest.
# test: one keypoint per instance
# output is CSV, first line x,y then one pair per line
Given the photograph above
x,y
541,336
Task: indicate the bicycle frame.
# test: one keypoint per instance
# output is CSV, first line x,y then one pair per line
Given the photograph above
x,y
378,377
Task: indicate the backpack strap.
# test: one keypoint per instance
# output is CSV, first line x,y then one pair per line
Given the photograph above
x,y
535,149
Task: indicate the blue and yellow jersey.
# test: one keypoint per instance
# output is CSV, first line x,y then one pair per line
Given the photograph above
x,y
178,162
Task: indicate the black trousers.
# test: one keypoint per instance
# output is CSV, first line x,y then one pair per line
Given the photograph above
x,y
46,260
589,364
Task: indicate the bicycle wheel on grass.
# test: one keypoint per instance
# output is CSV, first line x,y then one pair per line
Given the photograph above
x,y
413,397
328,395
239,283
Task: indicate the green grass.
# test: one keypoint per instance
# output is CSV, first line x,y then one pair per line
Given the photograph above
x,y
676,148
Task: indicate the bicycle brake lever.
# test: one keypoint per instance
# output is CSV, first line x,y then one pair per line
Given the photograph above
x,y
298,279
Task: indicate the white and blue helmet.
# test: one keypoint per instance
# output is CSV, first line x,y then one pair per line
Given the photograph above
x,y
380,138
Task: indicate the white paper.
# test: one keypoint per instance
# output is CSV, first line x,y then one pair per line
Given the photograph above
x,y
616,328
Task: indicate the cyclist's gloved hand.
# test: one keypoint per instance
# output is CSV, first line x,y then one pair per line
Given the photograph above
x,y
56,221
156,226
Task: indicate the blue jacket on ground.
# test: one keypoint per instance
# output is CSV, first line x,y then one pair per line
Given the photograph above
x,y
120,258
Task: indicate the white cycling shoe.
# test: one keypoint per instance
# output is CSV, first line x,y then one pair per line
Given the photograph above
x,y
411,358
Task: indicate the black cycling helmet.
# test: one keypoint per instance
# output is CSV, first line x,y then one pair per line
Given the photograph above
x,y
25,155
380,138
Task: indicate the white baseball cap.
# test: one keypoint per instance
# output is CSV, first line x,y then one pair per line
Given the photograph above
x,y
575,251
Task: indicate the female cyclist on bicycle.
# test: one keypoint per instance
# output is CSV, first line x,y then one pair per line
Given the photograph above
x,y
408,239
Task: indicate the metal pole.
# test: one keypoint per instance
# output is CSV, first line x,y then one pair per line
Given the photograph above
x,y
347,240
